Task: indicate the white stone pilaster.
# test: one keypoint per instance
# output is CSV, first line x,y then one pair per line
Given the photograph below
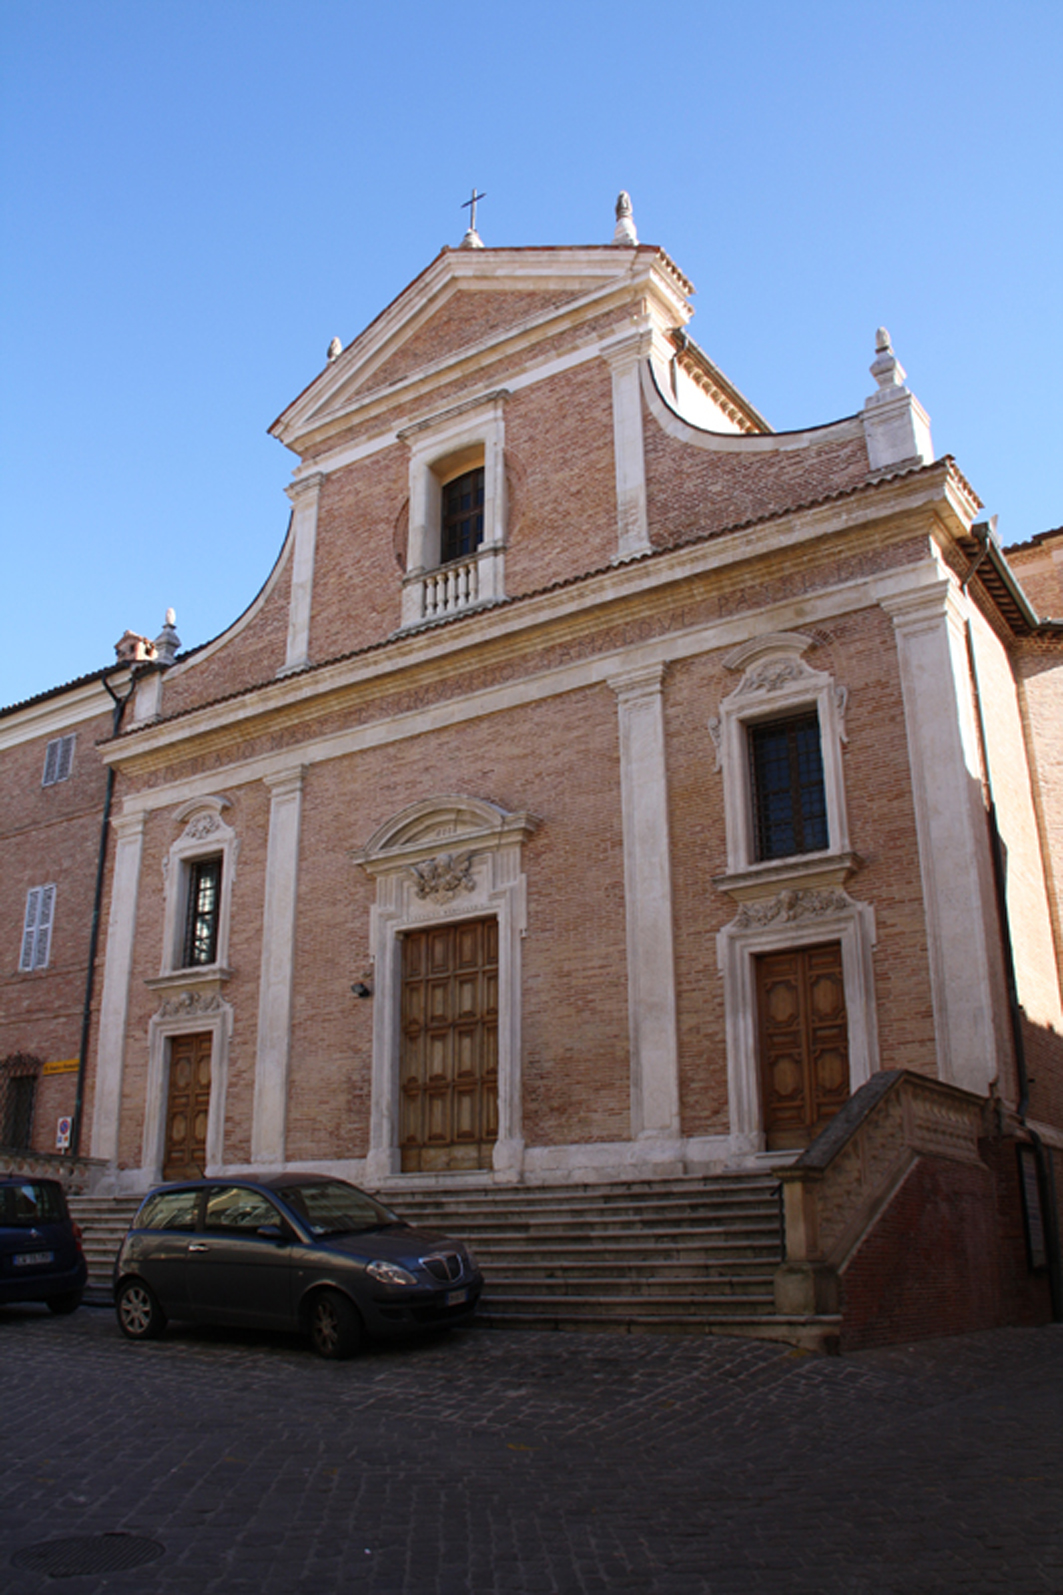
x,y
648,904
114,1003
625,356
278,945
951,828
305,496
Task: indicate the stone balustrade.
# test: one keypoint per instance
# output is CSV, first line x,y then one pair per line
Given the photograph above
x,y
77,1174
452,587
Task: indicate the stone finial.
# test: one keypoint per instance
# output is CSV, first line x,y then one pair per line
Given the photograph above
x,y
167,642
472,240
886,368
896,426
625,233
335,349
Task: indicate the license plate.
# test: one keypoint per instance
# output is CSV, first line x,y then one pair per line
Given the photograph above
x,y
456,1297
24,1259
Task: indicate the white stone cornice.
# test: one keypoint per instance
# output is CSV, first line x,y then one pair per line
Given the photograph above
x,y
443,418
533,688
282,783
925,605
630,347
642,681
129,826
305,484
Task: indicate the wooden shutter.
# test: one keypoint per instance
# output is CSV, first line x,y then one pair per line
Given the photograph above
x,y
58,758
37,928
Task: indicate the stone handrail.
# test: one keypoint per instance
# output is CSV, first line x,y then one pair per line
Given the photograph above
x,y
837,1188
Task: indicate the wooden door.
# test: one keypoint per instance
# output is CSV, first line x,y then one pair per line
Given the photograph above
x,y
449,1070
187,1107
804,1042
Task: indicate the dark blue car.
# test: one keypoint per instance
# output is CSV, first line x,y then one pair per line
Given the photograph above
x,y
40,1245
294,1251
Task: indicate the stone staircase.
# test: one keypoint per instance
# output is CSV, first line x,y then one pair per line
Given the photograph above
x,y
692,1255
104,1221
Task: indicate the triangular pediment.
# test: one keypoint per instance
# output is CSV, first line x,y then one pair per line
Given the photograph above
x,y
464,306
469,314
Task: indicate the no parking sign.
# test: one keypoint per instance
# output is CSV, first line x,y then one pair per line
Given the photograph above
x,y
62,1133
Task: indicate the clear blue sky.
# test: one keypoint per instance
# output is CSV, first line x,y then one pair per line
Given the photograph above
x,y
197,194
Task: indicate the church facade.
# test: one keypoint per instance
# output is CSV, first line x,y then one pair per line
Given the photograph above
x,y
598,786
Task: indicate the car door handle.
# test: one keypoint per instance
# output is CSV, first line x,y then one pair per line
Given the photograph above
x,y
198,1246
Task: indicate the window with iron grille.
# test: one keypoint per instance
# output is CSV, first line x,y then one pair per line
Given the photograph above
x,y
18,1091
37,928
462,529
203,913
58,760
789,799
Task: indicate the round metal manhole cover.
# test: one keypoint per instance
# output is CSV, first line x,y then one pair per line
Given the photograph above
x,y
90,1553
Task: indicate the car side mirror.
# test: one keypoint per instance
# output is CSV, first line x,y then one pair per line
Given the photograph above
x,y
272,1232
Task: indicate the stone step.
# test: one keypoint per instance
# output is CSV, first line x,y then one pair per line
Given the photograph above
x,y
698,1290
630,1268
755,1238
104,1221
615,1211
697,1305
820,1334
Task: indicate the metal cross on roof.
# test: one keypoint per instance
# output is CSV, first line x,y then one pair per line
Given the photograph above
x,y
472,202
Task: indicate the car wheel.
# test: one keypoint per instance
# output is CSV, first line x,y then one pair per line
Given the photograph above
x,y
139,1315
335,1327
68,1302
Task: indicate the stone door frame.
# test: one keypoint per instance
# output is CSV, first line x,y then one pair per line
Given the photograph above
x,y
444,859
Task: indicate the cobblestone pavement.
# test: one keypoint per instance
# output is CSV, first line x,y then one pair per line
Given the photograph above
x,y
524,1463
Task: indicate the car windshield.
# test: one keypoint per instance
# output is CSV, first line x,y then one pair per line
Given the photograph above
x,y
332,1207
30,1203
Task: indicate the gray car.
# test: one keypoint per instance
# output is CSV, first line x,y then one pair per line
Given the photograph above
x,y
294,1252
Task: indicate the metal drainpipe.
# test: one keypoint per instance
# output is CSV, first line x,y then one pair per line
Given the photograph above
x,y
1045,1166
94,933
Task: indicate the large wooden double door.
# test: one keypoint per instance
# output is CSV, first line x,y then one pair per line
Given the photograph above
x,y
187,1107
449,1069
804,1042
